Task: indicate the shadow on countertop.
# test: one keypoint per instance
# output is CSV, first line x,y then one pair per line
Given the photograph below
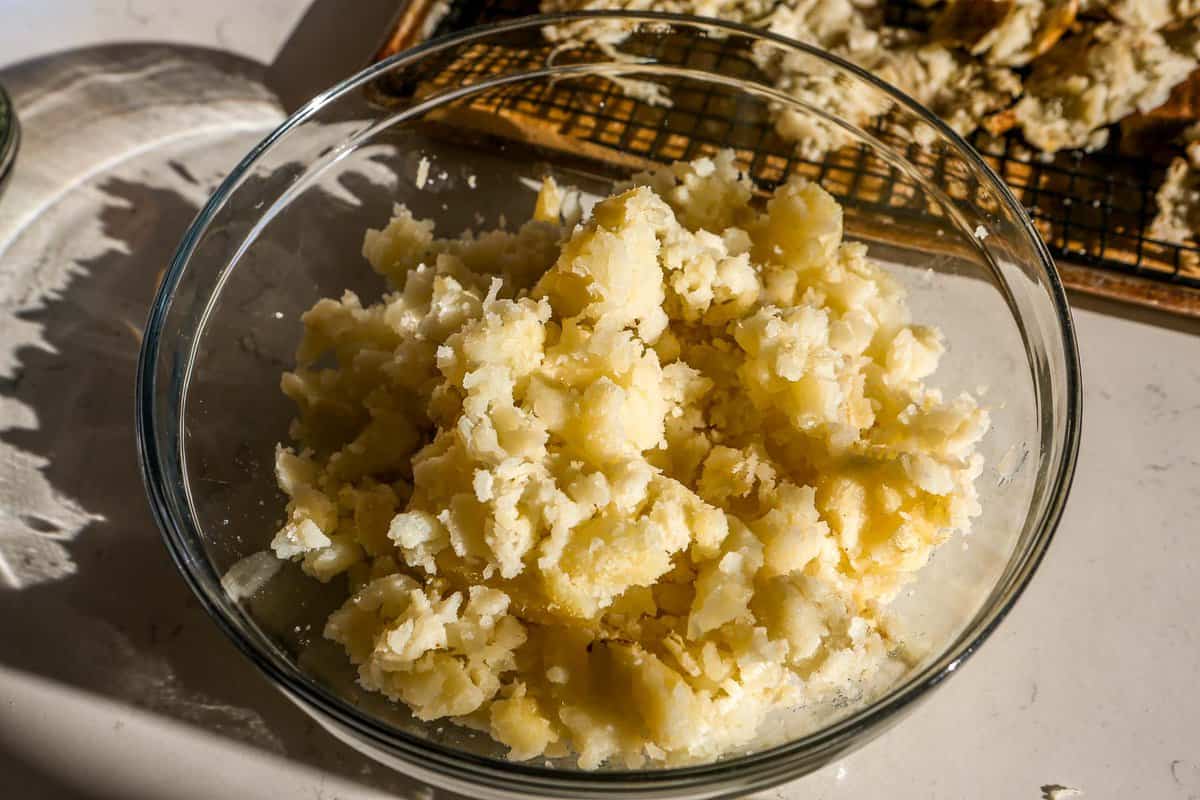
x,y
1134,313
111,615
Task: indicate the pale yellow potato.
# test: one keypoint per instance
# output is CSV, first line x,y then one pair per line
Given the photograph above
x,y
622,489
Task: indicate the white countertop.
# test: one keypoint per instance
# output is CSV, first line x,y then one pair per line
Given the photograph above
x,y
113,683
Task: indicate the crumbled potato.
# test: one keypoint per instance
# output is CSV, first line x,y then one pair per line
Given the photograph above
x,y
1178,199
1095,79
1009,32
621,489
1146,14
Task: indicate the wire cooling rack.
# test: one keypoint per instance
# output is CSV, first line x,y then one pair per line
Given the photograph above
x,y
1093,209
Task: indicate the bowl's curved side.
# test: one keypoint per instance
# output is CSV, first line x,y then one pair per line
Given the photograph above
x,y
10,138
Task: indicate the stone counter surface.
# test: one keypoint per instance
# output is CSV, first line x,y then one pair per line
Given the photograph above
x,y
115,684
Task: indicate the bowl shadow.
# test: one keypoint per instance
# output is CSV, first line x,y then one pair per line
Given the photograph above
x,y
88,595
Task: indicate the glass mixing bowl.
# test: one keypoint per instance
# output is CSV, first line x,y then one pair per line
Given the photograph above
x,y
478,119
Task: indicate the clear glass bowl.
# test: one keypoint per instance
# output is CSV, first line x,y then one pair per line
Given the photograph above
x,y
484,111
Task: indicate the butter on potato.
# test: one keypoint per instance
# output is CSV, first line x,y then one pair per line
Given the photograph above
x,y
623,488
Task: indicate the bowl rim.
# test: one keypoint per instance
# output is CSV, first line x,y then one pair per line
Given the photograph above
x,y
449,761
10,138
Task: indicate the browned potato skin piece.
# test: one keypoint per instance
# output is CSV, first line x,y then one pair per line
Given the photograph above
x,y
967,22
1001,122
1057,22
1143,134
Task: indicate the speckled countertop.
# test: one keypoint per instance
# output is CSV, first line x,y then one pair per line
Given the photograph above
x,y
113,683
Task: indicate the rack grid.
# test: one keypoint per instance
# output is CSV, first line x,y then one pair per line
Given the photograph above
x,y
1093,209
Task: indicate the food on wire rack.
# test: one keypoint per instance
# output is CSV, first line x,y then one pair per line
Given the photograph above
x,y
959,89
1144,133
608,33
962,92
845,28
1151,14
1010,33
534,460
1062,72
1178,198
1099,77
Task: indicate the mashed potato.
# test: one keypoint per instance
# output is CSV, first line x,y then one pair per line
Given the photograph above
x,y
619,489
